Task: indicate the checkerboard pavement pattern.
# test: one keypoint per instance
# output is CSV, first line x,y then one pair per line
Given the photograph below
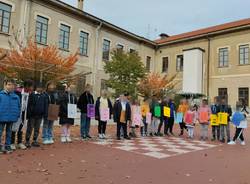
x,y
157,147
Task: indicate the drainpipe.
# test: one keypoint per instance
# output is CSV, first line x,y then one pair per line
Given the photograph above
x,y
208,64
95,63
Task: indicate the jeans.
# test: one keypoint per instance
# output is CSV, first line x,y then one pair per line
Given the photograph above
x,y
154,125
35,124
124,128
190,131
169,125
216,132
224,128
48,130
85,125
144,129
19,132
204,130
8,126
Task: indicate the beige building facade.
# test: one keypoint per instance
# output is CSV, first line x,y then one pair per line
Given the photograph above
x,y
226,69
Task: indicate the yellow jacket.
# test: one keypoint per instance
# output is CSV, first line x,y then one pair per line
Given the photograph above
x,y
183,108
145,109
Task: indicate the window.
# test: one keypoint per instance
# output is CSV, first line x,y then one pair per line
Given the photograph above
x,y
105,50
244,54
41,29
148,63
179,63
5,12
244,95
64,37
84,39
165,64
222,92
120,47
104,85
223,57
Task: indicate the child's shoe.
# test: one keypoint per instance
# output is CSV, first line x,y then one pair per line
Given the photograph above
x,y
100,136
8,150
46,142
21,146
243,143
68,139
231,143
13,147
35,144
103,136
27,144
63,139
51,141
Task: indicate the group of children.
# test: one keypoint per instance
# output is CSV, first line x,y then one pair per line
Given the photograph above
x,y
31,105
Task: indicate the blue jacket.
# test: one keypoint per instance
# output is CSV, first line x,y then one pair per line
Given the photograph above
x,y
9,107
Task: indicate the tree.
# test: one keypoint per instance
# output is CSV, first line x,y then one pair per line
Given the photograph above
x,y
37,62
155,84
125,71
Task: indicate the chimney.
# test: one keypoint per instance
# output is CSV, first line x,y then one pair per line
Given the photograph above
x,y
163,35
80,4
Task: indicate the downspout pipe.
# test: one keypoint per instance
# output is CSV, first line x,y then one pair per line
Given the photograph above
x,y
208,63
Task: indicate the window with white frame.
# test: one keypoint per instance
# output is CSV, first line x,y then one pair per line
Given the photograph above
x,y
41,29
84,39
165,64
244,54
64,37
5,13
106,50
223,57
179,63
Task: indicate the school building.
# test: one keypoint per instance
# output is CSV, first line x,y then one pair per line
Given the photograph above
x,y
213,61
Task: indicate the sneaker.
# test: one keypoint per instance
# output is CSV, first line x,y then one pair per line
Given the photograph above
x,y
21,146
35,144
118,138
222,140
13,147
1,149
151,134
84,138
103,136
243,143
213,139
8,150
127,137
63,139
68,139
51,141
100,136
88,136
46,142
27,144
231,143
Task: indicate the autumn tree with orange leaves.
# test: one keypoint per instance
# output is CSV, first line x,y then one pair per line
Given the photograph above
x,y
37,62
155,84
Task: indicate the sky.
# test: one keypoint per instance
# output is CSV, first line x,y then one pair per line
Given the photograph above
x,y
149,18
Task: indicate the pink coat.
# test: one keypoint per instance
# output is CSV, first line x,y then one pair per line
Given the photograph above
x,y
206,109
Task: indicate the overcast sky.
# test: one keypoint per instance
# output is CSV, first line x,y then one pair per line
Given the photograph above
x,y
149,18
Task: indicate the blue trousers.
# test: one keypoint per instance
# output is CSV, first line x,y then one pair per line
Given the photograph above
x,y
85,125
8,127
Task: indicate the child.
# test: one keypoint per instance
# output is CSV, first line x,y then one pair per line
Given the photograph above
x,y
23,93
52,98
65,121
101,103
37,111
85,99
240,128
9,113
224,108
214,111
155,109
183,108
122,116
203,117
145,109
136,117
163,119
190,120
170,122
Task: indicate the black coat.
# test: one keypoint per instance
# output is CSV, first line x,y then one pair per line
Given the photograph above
x,y
84,100
53,97
37,106
97,108
64,99
118,110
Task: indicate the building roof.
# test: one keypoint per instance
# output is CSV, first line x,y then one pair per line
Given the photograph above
x,y
205,31
76,11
